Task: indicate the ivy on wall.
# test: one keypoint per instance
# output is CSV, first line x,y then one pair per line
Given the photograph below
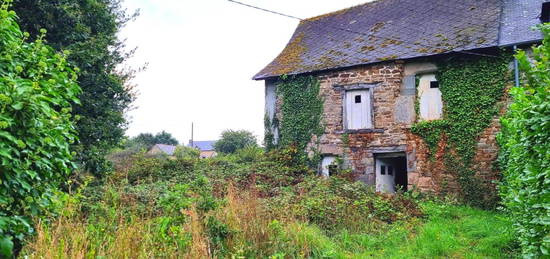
x,y
301,113
431,132
269,135
471,87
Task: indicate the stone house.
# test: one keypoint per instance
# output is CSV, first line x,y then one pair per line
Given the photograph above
x,y
378,60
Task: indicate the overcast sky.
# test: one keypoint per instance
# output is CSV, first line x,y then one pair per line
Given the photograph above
x,y
201,57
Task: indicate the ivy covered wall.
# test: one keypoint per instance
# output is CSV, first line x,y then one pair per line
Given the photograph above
x,y
301,109
471,88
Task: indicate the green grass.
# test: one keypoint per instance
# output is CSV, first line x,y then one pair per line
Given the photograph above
x,y
448,231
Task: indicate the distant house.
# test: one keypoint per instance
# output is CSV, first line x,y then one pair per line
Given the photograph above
x,y
162,149
206,147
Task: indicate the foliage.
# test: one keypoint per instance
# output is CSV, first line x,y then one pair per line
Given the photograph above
x,y
431,132
148,140
336,203
233,140
37,90
149,169
302,111
269,136
183,152
242,224
525,153
89,30
470,87
164,137
249,154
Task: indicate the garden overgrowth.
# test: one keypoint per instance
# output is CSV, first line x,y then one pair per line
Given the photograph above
x,y
256,206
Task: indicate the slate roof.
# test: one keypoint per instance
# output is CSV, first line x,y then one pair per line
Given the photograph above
x,y
168,149
207,145
399,29
518,16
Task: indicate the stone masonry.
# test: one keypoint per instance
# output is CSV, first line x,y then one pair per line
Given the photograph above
x,y
393,116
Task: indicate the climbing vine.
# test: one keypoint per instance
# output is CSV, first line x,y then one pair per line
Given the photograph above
x,y
269,135
302,112
431,132
471,87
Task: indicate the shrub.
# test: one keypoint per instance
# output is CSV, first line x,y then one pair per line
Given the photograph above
x,y
525,154
183,152
250,153
233,140
37,90
335,204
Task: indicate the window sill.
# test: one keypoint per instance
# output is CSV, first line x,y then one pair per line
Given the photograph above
x,y
352,131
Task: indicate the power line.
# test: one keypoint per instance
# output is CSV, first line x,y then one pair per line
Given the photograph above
x,y
362,33
266,10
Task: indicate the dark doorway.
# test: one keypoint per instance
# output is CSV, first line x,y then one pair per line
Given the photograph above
x,y
391,172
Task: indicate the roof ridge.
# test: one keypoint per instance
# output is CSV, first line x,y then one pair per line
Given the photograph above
x,y
333,13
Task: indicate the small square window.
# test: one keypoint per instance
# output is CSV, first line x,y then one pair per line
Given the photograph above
x,y
358,99
383,169
434,84
390,170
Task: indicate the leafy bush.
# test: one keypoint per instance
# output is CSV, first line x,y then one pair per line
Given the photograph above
x,y
183,152
249,153
37,90
525,154
233,140
148,140
89,30
148,169
335,204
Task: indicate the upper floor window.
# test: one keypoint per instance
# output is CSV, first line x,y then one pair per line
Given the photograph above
x,y
431,106
358,109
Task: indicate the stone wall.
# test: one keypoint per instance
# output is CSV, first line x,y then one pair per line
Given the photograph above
x,y
394,114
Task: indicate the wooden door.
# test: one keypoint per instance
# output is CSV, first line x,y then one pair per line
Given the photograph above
x,y
358,109
385,176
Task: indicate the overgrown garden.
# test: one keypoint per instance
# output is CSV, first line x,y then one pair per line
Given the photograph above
x,y
61,198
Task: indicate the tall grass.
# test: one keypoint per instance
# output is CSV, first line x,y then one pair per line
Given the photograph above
x,y
448,231
219,208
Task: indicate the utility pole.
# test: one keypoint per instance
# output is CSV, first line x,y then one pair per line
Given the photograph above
x,y
192,144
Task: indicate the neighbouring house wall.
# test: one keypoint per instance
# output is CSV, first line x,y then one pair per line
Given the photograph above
x,y
208,154
393,86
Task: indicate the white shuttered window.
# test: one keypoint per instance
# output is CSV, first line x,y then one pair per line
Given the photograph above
x,y
358,105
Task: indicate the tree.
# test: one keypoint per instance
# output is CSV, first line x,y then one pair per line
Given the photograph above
x,y
525,152
233,140
88,29
148,140
165,138
37,91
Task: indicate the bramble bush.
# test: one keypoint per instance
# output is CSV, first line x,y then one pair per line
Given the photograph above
x,y
525,153
37,89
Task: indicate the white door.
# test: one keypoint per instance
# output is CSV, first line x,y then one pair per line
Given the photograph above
x,y
325,165
358,113
385,177
431,106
